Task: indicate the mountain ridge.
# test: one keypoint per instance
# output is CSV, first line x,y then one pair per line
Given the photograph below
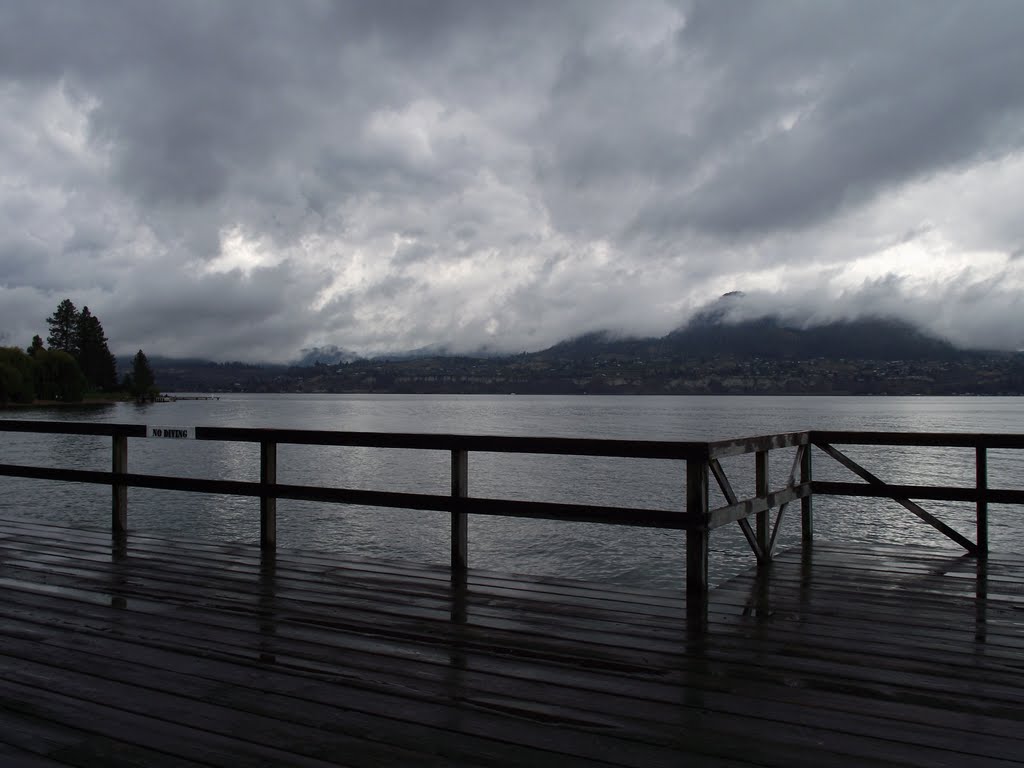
x,y
707,356
707,334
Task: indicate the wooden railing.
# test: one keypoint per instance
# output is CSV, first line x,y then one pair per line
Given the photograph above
x,y
695,515
980,494
763,537
801,485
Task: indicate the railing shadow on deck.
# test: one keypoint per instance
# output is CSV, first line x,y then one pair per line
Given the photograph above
x,y
703,461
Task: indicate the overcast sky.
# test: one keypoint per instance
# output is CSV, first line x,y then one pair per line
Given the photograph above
x,y
243,179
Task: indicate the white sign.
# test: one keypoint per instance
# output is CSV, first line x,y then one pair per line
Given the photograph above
x,y
172,433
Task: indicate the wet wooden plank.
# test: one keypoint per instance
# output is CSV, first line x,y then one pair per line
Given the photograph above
x,y
365,603
929,736
31,741
334,580
859,655
318,562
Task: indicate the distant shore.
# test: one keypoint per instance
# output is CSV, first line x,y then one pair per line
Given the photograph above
x,y
88,402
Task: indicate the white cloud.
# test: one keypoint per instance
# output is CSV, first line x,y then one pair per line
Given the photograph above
x,y
243,180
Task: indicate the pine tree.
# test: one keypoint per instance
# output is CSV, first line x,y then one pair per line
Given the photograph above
x,y
37,346
94,356
64,328
142,381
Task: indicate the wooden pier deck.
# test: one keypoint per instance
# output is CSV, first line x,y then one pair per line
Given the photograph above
x,y
174,653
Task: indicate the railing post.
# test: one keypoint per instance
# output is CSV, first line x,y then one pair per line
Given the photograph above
x,y
268,503
981,482
807,502
460,521
761,489
119,491
697,540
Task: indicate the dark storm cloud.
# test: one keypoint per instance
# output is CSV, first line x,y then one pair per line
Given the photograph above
x,y
222,315
895,91
771,116
390,175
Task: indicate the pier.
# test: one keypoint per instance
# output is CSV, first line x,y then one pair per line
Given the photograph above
x,y
119,648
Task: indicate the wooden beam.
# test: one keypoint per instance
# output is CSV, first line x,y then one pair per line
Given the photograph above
x,y
118,488
780,515
933,492
730,496
268,502
719,449
807,502
733,512
920,439
762,487
460,520
751,537
981,509
697,540
544,510
567,446
98,428
797,463
933,521
723,481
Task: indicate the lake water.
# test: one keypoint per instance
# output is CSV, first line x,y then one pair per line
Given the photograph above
x,y
613,554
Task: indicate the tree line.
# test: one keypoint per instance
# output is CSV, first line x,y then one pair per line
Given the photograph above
x,y
74,361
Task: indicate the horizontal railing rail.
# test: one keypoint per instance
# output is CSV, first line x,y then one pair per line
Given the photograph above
x,y
564,446
587,513
720,449
921,439
930,492
694,516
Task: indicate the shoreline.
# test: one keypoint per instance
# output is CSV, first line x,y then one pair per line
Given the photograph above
x,y
86,403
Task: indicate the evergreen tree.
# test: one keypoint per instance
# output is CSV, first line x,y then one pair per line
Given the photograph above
x,y
94,356
37,346
142,381
64,328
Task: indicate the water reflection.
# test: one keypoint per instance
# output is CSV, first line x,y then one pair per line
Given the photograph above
x,y
267,606
459,613
980,600
759,600
119,561
826,581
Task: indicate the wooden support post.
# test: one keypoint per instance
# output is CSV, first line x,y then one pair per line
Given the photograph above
x,y
981,477
761,490
460,521
807,502
697,540
119,491
268,503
